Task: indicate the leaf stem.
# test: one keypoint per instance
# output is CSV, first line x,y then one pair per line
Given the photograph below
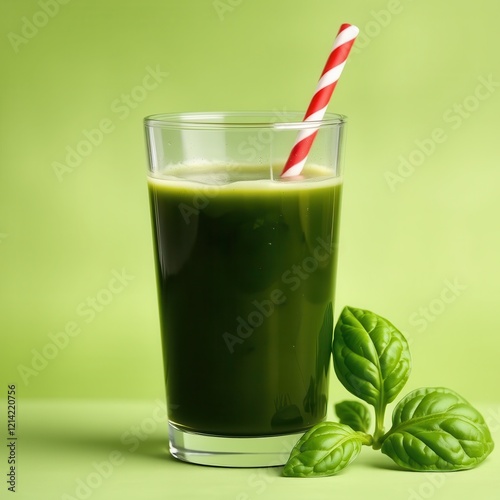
x,y
379,426
366,439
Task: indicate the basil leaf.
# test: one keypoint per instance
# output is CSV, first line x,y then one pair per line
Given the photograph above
x,y
370,356
354,414
435,429
324,450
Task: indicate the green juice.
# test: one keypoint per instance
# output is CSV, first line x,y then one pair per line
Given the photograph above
x,y
246,275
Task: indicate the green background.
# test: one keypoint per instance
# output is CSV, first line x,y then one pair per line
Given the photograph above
x,y
414,90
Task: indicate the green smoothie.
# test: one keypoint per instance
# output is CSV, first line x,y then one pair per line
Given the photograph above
x,y
246,274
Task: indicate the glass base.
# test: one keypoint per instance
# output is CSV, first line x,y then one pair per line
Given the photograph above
x,y
203,449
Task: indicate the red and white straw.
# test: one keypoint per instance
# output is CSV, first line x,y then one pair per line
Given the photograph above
x,y
317,107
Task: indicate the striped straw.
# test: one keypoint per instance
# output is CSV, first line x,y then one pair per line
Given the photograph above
x,y
317,107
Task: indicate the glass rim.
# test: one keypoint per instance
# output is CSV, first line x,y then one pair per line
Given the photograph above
x,y
275,120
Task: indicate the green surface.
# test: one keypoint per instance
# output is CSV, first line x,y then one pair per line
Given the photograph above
x,y
117,449
420,235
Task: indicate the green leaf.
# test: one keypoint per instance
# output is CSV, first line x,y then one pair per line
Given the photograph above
x,y
435,429
324,450
354,414
370,356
